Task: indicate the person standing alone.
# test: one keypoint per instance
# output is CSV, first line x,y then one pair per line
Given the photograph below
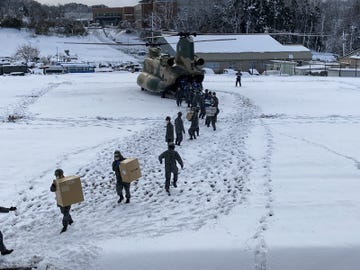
x,y
238,78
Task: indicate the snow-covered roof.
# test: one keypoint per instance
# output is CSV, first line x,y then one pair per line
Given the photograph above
x,y
260,43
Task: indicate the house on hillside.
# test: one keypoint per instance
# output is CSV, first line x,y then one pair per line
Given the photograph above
x,y
240,52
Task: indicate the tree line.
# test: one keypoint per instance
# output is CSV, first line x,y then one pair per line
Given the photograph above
x,y
42,18
322,25
327,25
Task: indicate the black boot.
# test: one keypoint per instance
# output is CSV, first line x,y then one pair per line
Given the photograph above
x,y
63,229
6,251
71,222
174,184
127,200
120,199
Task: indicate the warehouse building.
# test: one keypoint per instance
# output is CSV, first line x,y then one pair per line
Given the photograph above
x,y
240,52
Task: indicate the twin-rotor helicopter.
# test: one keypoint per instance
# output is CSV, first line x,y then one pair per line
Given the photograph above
x,y
163,73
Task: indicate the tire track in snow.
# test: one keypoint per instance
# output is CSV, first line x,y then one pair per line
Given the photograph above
x,y
203,193
324,147
19,109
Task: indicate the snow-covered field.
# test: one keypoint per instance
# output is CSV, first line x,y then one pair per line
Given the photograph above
x,y
276,186
12,39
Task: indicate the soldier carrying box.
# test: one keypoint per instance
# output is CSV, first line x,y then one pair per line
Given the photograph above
x,y
120,184
65,210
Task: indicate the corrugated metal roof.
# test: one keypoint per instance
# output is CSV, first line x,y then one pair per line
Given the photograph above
x,y
259,43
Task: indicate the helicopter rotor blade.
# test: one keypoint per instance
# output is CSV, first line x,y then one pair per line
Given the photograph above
x,y
107,43
296,34
210,40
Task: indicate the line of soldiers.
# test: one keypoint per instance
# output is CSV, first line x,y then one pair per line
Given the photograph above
x,y
187,90
207,104
171,157
202,105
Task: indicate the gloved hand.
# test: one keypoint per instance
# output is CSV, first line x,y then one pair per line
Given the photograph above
x,y
161,162
12,208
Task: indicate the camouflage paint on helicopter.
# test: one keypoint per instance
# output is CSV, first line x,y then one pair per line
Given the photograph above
x,y
163,73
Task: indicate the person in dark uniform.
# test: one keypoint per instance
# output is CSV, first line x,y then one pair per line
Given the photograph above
x,y
210,117
3,249
65,210
194,127
120,185
216,105
202,106
169,136
179,129
238,78
171,157
178,96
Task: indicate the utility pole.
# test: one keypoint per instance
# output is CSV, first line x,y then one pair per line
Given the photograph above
x,y
152,27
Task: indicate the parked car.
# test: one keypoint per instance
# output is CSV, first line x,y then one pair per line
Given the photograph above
x,y
254,71
229,71
208,71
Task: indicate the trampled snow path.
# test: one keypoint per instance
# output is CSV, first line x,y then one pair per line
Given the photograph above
x,y
151,212
266,200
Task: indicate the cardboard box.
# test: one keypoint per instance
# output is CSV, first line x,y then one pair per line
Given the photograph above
x,y
210,111
69,190
189,115
130,170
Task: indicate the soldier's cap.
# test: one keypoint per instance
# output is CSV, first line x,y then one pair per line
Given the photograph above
x,y
180,113
167,118
171,145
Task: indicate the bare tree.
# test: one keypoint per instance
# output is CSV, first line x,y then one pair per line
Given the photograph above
x,y
27,53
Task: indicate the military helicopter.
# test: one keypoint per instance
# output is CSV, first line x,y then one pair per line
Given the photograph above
x,y
163,73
